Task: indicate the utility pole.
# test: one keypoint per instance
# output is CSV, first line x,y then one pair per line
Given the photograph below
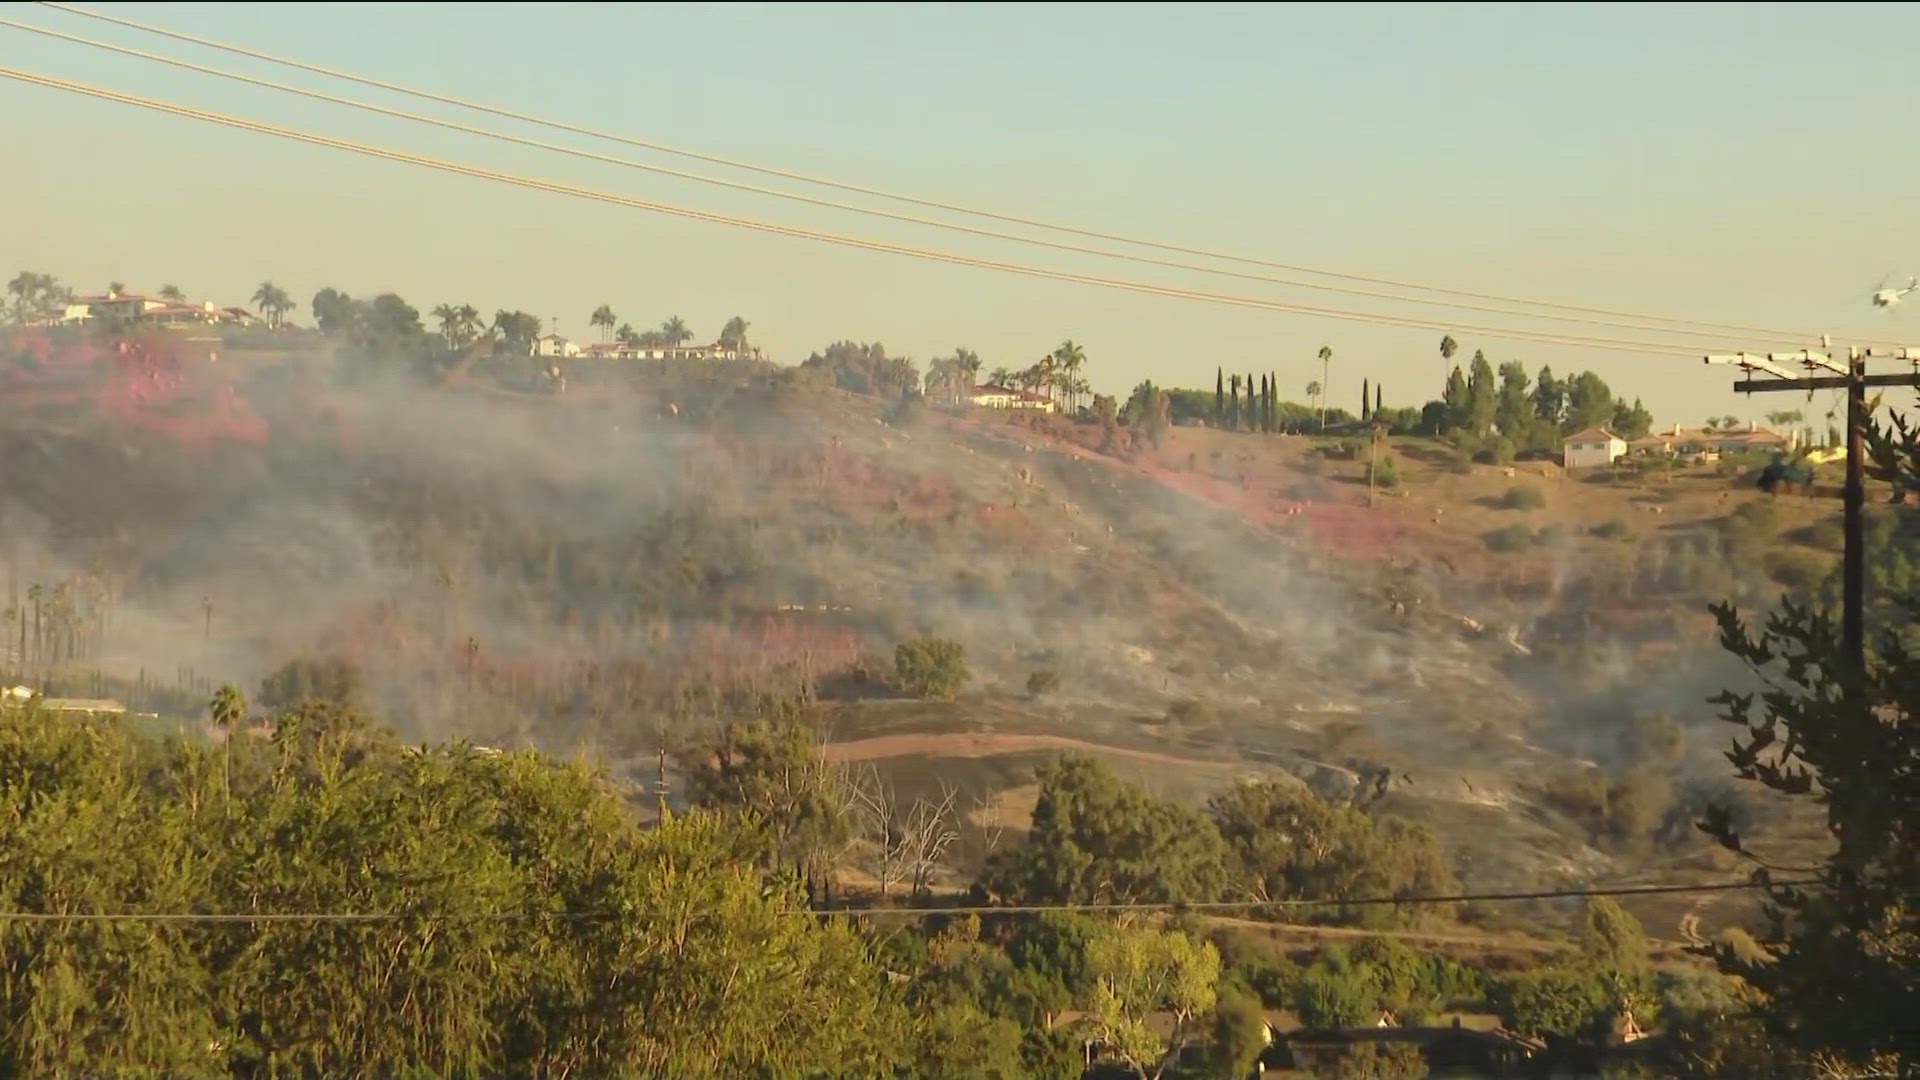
x,y
1851,376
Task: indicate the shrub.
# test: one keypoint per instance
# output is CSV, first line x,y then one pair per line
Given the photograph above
x,y
1386,473
930,667
1522,497
1611,530
1508,539
1042,682
1798,571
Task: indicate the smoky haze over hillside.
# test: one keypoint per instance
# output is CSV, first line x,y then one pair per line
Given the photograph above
x,y
627,562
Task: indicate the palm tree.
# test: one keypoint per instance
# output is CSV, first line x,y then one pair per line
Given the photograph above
x,y
734,334
1448,347
470,323
115,288
1001,376
172,294
273,302
449,317
673,331
1326,357
1313,393
626,335
1069,358
228,709
969,364
603,318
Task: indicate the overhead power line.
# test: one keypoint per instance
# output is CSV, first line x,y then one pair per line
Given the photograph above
x,y
1081,249
556,187
558,125
1012,909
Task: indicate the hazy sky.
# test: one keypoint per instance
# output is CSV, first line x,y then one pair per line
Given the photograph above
x,y
1749,165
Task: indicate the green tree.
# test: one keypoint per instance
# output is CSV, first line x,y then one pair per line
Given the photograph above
x,y
603,318
1239,1032
1098,839
1136,971
708,970
1549,397
1285,842
1631,421
1219,397
799,810
172,294
1458,402
1366,398
734,336
930,667
674,331
1589,403
515,332
1513,415
1841,956
1483,396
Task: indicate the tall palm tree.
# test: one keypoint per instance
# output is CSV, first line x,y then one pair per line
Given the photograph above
x,y
1313,393
673,331
172,294
1448,347
1068,359
273,302
470,323
603,318
969,363
449,317
228,709
1326,357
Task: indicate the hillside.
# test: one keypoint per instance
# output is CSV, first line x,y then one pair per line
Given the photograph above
x,y
621,566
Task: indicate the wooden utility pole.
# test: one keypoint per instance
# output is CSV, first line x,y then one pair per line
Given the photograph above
x,y
1851,376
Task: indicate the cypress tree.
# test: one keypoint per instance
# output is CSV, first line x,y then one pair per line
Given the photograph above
x,y
1219,395
1366,395
1376,400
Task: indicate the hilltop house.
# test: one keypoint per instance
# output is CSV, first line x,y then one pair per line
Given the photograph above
x,y
128,307
1591,447
1706,444
990,396
614,350
553,345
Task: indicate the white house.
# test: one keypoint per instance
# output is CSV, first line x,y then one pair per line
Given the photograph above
x,y
1006,397
555,345
1591,447
614,350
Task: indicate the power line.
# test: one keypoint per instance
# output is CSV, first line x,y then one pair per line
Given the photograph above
x,y
510,114
556,187
589,155
1010,909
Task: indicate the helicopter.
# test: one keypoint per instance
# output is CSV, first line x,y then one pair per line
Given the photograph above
x,y
1884,297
